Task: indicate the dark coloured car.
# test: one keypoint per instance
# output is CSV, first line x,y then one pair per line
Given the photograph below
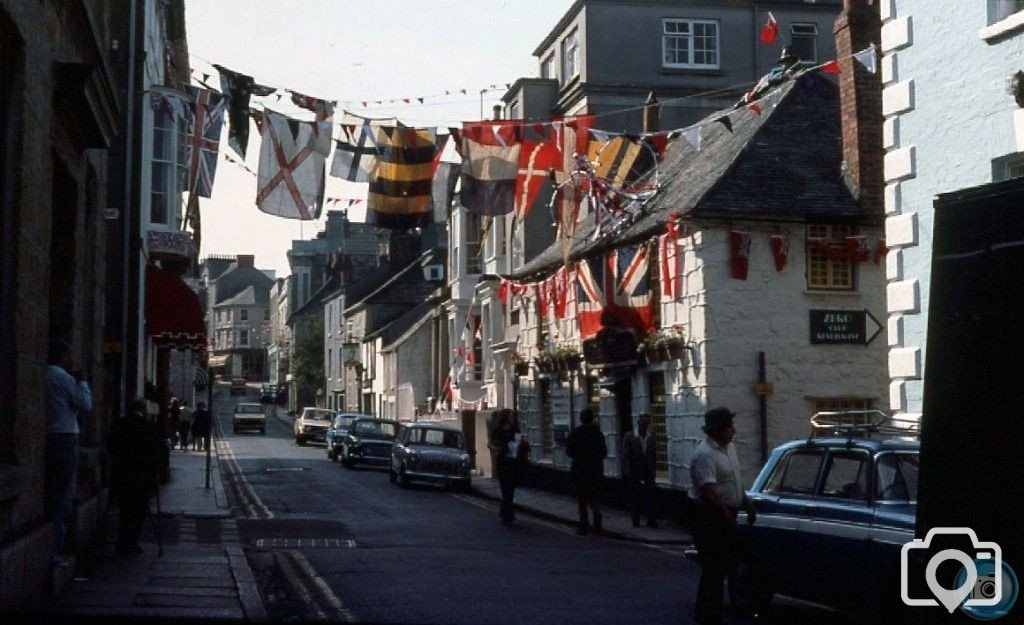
x,y
368,442
312,425
238,386
335,437
430,453
833,512
268,393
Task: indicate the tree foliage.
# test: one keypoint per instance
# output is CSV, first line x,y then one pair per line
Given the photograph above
x,y
308,359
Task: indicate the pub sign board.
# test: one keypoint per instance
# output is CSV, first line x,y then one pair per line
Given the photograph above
x,y
841,327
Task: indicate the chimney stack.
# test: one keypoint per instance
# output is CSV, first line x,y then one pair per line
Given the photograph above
x,y
245,260
858,27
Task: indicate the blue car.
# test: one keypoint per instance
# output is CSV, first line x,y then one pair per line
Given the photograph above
x,y
337,431
833,512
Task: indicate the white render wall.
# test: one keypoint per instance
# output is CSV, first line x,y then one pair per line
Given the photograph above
x,y
728,321
948,116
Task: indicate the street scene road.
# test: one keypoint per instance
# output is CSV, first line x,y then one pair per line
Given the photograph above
x,y
331,543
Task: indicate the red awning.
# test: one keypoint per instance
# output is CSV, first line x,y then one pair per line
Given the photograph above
x,y
174,316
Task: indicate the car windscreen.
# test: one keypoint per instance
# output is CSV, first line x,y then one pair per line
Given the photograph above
x,y
374,430
317,415
343,421
249,409
436,438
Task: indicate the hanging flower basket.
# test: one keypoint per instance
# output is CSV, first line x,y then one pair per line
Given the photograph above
x,y
522,368
572,362
654,354
676,349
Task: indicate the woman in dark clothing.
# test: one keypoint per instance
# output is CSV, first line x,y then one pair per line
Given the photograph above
x,y
200,427
587,449
507,450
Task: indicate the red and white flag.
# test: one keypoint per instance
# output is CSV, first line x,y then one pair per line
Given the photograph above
x,y
770,30
739,258
780,250
670,266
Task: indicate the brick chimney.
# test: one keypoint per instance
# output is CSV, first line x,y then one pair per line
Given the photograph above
x,y
857,27
245,260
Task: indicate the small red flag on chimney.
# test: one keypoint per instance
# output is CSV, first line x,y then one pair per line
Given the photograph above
x,y
770,30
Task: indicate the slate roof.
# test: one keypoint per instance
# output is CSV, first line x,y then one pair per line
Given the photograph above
x,y
394,330
249,296
782,165
406,276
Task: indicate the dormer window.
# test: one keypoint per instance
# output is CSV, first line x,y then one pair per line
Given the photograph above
x,y
570,57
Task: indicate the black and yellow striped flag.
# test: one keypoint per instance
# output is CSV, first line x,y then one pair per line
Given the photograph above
x,y
400,182
620,159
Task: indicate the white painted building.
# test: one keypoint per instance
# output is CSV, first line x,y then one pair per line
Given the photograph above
x,y
950,123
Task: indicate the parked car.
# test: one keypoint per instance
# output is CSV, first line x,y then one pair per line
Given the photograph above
x,y
842,491
268,393
312,425
248,416
335,436
430,453
368,442
238,386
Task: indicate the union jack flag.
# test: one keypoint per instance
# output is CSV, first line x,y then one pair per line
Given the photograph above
x,y
614,290
204,140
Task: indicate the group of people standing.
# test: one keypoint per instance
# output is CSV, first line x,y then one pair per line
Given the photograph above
x,y
714,496
185,426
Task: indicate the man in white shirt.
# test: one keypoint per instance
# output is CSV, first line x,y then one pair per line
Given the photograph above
x,y
716,495
67,399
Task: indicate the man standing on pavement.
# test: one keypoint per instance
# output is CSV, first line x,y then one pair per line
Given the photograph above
x,y
135,444
67,399
587,449
200,427
716,495
639,466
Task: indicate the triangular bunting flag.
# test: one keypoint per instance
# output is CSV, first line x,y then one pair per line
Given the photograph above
x,y
693,135
770,30
725,121
832,67
867,58
755,108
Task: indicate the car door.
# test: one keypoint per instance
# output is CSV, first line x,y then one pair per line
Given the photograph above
x,y
784,505
838,529
894,516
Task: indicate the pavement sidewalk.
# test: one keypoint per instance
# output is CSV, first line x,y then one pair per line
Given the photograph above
x,y
202,574
561,508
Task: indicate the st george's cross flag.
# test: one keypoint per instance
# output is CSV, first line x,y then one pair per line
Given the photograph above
x,y
291,172
402,178
490,166
204,140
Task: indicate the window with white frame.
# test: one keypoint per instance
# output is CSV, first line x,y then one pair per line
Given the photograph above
x,y
547,66
689,43
243,337
570,57
474,232
243,315
803,41
168,168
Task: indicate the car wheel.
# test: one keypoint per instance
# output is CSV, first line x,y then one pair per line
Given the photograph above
x,y
403,477
234,430
748,590
392,476
263,431
300,441
346,461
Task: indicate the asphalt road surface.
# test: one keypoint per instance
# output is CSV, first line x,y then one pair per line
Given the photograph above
x,y
328,543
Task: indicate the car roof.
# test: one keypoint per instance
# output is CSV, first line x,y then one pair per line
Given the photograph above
x,y
249,403
431,426
874,445
353,414
369,418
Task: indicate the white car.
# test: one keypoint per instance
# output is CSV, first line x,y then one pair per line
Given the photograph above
x,y
247,416
312,425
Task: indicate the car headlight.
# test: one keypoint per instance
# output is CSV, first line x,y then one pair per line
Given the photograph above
x,y
354,443
306,428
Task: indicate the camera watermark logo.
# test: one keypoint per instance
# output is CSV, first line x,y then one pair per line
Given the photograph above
x,y
985,588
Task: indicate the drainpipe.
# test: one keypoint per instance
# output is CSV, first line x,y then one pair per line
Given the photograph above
x,y
134,17
762,400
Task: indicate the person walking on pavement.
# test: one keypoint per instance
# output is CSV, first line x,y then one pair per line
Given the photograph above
x,y
68,399
587,449
173,421
135,451
200,427
509,450
639,467
184,426
715,497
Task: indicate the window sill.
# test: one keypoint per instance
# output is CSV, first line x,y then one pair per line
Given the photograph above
x,y
692,71
1003,28
830,292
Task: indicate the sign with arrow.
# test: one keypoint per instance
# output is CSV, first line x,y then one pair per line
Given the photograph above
x,y
842,327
